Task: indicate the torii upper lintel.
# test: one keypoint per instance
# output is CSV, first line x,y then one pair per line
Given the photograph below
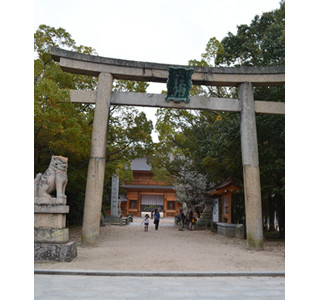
x,y
92,65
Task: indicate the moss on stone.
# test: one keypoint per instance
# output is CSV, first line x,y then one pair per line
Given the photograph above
x,y
254,244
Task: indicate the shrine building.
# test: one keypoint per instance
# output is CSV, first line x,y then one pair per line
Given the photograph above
x,y
223,192
145,195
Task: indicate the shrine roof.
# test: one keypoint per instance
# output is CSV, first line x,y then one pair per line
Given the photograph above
x,y
140,164
146,186
223,187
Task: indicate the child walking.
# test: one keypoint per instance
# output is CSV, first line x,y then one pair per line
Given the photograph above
x,y
146,222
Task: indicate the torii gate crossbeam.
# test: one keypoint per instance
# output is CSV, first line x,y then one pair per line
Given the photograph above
x,y
196,102
108,69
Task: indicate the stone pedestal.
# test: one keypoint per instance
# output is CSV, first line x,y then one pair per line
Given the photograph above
x,y
113,219
51,237
55,251
240,231
229,230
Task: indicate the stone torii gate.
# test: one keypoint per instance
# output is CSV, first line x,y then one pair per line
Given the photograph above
x,y
107,69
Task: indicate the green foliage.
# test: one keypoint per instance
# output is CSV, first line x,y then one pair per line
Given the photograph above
x,y
130,86
211,140
214,51
260,44
64,128
59,126
129,136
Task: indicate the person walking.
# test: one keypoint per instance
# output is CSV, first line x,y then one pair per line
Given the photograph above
x,y
156,219
190,220
182,218
146,222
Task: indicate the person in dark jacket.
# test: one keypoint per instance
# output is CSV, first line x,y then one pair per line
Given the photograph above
x,y
182,218
156,219
190,220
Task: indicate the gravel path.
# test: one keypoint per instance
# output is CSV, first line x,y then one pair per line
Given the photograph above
x,y
130,248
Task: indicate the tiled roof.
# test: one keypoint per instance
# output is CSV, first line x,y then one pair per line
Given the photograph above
x,y
145,186
140,164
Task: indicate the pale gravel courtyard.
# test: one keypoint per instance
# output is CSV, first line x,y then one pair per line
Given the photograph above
x,y
130,248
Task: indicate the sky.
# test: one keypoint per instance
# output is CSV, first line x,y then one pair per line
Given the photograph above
x,y
162,31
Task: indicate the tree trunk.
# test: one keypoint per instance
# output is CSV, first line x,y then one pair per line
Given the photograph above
x,y
281,218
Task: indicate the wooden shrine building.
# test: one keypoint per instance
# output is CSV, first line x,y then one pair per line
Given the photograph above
x,y
145,195
224,193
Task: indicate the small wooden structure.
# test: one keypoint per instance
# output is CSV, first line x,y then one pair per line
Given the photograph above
x,y
224,191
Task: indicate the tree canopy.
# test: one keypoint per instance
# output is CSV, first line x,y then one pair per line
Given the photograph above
x,y
211,140
64,128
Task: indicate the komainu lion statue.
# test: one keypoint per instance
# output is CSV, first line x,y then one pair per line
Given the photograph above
x,y
55,178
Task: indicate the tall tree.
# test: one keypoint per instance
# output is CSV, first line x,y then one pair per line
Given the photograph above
x,y
211,140
192,186
64,128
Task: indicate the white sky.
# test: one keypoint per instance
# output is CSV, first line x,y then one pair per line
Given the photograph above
x,y
162,31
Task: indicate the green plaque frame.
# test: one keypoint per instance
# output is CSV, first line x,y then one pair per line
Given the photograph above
x,y
179,84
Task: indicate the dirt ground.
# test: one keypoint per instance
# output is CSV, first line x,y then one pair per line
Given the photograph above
x,y
130,248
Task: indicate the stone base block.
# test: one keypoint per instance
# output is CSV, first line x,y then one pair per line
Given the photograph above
x,y
50,220
113,219
51,209
52,201
55,252
240,231
50,235
229,230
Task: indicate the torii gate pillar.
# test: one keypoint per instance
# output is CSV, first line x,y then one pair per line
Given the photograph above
x,y
96,168
250,162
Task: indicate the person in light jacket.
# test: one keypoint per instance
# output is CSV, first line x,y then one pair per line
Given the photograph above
x,y
146,222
